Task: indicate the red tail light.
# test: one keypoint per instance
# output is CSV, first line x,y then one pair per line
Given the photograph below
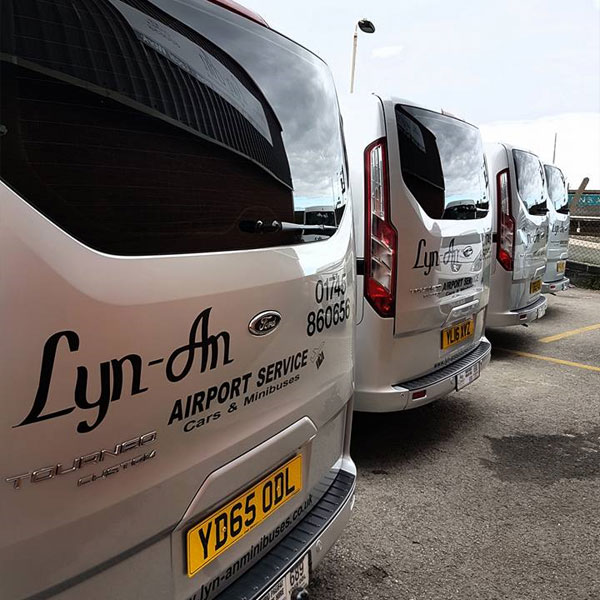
x,y
241,10
505,246
381,239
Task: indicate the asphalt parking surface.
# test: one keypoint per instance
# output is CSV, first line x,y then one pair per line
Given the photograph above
x,y
493,492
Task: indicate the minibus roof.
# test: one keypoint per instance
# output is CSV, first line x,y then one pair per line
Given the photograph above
x,y
353,101
510,147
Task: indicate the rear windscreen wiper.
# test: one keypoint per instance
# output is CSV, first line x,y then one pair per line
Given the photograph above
x,y
259,226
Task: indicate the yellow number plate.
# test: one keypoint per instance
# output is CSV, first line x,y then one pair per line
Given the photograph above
x,y
535,286
232,522
457,333
560,266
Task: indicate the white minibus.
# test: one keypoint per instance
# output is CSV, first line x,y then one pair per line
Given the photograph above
x,y
520,235
558,235
177,346
423,229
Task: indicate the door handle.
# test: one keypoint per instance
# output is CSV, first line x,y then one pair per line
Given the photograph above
x,y
460,311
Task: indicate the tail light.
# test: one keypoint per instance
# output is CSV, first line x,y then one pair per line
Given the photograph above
x,y
381,239
505,246
241,10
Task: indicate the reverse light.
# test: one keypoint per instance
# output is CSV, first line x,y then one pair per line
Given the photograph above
x,y
505,246
381,239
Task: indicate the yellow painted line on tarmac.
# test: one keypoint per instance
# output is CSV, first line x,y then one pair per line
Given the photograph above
x,y
566,334
558,361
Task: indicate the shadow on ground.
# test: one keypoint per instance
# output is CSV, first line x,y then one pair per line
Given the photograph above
x,y
387,438
511,338
519,337
555,313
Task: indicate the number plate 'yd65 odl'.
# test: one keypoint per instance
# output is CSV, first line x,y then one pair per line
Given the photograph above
x,y
227,525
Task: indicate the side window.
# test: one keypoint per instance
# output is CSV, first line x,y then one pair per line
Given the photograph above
x,y
139,134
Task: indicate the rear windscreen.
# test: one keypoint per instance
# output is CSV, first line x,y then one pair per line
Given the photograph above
x,y
557,187
442,164
530,180
139,132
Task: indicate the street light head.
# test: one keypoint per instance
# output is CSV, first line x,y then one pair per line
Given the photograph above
x,y
366,26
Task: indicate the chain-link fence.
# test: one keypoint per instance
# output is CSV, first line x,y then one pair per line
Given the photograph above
x,y
584,241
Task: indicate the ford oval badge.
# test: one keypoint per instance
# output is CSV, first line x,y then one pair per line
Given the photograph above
x,y
264,323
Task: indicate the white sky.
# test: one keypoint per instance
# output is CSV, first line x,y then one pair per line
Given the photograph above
x,y
520,69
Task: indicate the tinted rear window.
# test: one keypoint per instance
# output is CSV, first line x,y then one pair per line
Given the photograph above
x,y
139,133
557,187
442,163
530,182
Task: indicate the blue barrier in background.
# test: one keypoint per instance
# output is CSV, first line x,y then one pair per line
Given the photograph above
x,y
591,198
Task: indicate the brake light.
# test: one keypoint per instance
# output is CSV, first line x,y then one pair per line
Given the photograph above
x,y
241,10
381,239
505,246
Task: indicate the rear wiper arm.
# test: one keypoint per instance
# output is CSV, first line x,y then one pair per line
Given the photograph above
x,y
259,226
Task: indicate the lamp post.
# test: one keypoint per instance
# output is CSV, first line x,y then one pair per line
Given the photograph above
x,y
367,27
578,193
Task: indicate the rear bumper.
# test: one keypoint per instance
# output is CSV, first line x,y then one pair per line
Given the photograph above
x,y
517,317
555,286
435,385
315,534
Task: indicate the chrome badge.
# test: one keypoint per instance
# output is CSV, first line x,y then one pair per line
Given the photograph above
x,y
93,458
264,323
